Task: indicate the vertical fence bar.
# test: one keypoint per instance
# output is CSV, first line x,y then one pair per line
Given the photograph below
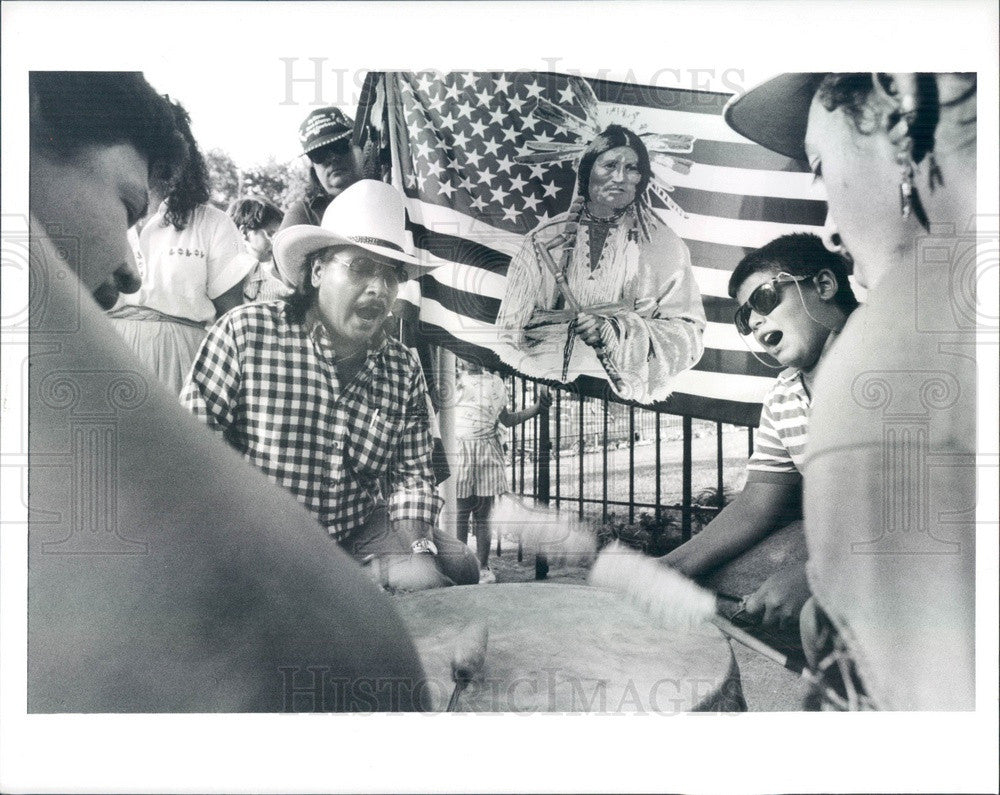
x,y
749,441
657,476
631,464
686,481
583,449
719,485
558,449
543,453
535,427
604,467
524,432
513,436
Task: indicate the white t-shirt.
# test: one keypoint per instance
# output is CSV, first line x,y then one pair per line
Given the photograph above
x,y
183,271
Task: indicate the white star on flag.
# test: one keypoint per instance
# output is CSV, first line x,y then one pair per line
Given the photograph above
x,y
530,202
532,89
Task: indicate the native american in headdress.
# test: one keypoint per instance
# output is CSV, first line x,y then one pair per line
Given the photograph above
x,y
608,271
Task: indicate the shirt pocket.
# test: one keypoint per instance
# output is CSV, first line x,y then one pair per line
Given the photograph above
x,y
372,440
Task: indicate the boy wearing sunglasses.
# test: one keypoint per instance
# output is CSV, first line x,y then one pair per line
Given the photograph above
x,y
793,296
314,393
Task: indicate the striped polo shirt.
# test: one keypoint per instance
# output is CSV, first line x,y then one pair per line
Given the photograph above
x,y
780,441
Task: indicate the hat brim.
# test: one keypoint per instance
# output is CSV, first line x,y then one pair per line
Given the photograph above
x,y
775,114
319,143
293,244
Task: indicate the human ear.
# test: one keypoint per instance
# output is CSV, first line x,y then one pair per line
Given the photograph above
x,y
826,284
316,274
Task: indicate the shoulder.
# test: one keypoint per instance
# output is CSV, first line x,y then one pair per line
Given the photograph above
x,y
216,217
786,386
549,229
663,238
264,316
398,358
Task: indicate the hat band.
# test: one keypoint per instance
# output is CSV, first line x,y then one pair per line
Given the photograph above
x,y
375,241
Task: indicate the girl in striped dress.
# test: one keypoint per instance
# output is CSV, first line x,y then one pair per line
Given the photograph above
x,y
480,410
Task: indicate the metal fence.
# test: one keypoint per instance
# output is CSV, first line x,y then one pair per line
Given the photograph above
x,y
608,459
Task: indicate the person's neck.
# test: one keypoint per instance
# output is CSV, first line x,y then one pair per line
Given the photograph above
x,y
599,212
342,350
809,374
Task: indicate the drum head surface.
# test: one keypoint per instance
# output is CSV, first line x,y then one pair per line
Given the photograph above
x,y
568,648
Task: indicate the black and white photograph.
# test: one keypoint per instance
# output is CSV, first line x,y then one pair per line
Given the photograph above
x,y
499,397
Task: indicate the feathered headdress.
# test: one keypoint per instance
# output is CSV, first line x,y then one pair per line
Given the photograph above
x,y
663,148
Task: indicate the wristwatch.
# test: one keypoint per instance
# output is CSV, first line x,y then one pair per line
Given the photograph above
x,y
424,545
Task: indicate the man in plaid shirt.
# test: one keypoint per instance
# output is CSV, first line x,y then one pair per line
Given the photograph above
x,y
316,395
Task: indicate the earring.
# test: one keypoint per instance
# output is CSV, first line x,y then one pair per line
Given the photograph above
x,y
898,128
904,153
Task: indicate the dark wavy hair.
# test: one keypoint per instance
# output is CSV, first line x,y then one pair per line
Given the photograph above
x,y
251,213
851,92
189,186
305,293
799,254
73,110
613,136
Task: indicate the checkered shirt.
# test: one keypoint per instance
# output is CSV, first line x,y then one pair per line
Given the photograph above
x,y
271,387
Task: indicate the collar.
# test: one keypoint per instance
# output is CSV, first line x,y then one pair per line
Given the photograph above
x,y
318,333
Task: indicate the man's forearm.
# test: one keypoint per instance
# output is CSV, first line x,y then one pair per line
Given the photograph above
x,y
757,512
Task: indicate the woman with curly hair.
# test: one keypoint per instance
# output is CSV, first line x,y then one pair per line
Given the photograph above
x,y
890,465
192,260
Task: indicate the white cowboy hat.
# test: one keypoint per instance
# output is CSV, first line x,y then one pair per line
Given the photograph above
x,y
775,113
368,215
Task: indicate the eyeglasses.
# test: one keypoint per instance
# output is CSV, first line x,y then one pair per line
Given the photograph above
x,y
330,152
763,300
363,269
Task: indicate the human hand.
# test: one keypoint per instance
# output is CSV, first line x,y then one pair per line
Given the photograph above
x,y
544,398
779,600
588,327
416,572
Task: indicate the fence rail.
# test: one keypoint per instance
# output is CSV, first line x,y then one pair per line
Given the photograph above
x,y
583,447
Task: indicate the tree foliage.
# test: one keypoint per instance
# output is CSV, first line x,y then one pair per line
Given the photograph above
x,y
281,183
224,178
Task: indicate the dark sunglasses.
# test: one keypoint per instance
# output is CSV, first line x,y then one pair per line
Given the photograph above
x,y
334,151
763,300
364,268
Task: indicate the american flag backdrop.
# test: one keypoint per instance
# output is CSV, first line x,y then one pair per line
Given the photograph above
x,y
450,142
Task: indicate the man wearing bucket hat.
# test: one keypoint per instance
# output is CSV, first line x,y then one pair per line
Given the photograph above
x,y
890,467
334,163
316,395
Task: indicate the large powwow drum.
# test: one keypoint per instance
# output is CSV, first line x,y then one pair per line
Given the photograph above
x,y
569,648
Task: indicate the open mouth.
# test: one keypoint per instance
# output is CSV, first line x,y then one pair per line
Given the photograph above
x,y
370,312
771,338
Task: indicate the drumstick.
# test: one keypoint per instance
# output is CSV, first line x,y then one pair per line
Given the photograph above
x,y
671,597
560,535
467,659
